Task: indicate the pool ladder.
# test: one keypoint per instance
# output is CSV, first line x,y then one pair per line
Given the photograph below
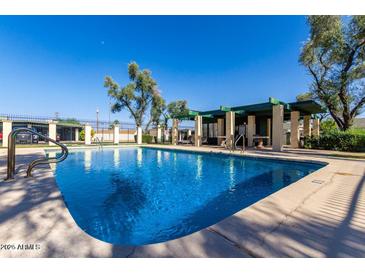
x,y
99,142
34,163
243,142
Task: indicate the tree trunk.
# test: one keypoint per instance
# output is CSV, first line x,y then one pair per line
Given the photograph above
x,y
344,123
337,119
148,125
347,122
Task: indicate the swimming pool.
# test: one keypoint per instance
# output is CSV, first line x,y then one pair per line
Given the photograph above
x,y
137,196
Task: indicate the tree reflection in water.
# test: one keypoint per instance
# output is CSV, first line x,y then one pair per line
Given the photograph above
x,y
124,203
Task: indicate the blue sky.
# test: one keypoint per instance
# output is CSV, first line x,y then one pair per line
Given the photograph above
x,y
58,63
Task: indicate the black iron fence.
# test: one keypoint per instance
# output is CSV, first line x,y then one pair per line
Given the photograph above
x,y
67,127
63,120
102,130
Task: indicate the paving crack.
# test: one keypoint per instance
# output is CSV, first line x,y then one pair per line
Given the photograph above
x,y
233,243
286,216
131,253
262,240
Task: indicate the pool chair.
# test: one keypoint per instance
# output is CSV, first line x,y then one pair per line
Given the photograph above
x,y
184,142
223,143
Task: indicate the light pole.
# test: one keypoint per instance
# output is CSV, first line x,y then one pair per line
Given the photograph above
x,y
109,126
97,121
110,107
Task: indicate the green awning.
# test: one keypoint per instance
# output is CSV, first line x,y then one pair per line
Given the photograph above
x,y
307,107
261,109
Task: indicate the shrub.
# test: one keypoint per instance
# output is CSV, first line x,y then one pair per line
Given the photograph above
x,y
337,140
147,138
328,126
82,134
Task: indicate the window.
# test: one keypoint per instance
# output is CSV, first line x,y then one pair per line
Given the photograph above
x,y
213,130
205,130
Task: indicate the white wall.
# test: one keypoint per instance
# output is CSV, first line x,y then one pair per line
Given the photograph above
x,y
123,137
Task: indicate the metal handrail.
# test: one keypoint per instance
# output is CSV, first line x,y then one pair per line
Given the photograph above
x,y
237,139
100,143
11,153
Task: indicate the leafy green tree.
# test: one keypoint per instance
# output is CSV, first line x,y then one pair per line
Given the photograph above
x,y
174,110
162,113
334,56
158,104
178,108
116,122
136,96
305,96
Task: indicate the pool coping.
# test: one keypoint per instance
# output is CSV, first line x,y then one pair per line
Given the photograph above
x,y
243,234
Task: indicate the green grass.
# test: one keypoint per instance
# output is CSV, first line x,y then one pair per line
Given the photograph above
x,y
353,156
359,131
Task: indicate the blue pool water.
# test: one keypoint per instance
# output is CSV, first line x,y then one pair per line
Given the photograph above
x,y
136,196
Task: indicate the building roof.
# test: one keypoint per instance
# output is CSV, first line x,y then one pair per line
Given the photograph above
x,y
262,109
307,107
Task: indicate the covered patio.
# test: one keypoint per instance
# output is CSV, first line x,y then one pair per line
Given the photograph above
x,y
57,130
257,124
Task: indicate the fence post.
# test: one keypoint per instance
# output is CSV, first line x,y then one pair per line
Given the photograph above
x,y
7,128
158,134
139,135
76,134
116,134
87,135
52,132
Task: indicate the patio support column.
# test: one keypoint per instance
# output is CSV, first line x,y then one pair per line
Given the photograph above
x,y
116,134
189,132
166,134
294,129
198,130
52,132
251,129
139,135
76,134
87,135
316,124
159,134
277,127
7,128
268,131
307,126
220,128
175,131
230,125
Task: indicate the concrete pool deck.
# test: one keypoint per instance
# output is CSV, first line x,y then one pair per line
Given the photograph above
x,y
320,215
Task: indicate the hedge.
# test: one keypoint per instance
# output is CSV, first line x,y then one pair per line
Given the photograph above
x,y
337,140
147,138
82,134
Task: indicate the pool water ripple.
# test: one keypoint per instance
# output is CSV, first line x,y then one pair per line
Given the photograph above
x,y
137,196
